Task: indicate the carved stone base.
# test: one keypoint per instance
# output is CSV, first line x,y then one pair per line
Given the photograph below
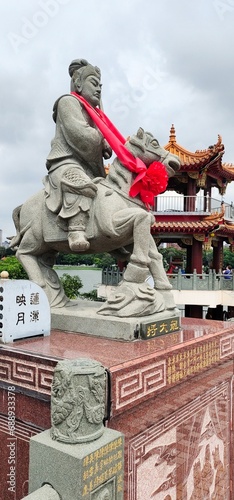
x,y
83,318
133,299
90,471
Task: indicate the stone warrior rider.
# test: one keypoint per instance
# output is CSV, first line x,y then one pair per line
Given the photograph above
x,y
76,155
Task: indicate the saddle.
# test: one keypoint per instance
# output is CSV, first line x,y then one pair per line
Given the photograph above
x,y
56,229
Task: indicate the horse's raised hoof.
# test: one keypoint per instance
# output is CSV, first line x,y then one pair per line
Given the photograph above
x,y
132,299
78,241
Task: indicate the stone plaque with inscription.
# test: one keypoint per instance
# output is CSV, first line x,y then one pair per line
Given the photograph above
x,y
153,329
24,310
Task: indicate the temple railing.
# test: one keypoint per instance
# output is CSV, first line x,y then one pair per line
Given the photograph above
x,y
212,281
199,205
180,281
111,276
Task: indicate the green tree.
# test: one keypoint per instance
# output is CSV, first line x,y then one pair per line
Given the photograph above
x,y
171,254
103,260
13,267
71,285
228,258
4,252
91,295
99,260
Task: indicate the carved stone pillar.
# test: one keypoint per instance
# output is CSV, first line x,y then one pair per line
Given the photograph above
x,y
78,457
78,401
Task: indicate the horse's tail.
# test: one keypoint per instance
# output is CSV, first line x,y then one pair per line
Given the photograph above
x,y
15,240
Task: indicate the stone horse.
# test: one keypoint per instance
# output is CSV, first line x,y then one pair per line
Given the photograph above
x,y
118,224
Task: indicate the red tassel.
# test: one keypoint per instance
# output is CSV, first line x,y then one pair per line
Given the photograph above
x,y
150,183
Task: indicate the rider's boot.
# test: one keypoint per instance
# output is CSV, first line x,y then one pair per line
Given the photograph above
x,y
77,238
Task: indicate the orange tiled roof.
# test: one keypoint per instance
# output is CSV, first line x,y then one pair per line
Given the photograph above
x,y
214,221
195,160
223,230
207,224
216,217
227,228
183,227
227,170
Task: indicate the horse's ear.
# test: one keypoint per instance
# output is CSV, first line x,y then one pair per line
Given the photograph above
x,y
140,133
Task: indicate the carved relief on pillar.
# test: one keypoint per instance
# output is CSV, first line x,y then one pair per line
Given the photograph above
x,y
187,241
231,246
185,455
183,179
202,179
207,243
222,186
78,401
193,175
199,237
157,241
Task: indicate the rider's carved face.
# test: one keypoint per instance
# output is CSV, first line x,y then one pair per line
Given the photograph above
x,y
91,90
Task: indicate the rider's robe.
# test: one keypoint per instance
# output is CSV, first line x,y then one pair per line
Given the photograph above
x,y
76,157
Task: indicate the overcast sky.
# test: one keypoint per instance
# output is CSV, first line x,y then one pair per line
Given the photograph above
x,y
162,62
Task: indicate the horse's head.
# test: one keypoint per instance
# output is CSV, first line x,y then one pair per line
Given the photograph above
x,y
143,145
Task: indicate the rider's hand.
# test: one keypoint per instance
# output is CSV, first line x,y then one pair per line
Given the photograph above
x,y
106,150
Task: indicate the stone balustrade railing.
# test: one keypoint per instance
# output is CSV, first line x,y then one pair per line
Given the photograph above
x,y
111,276
212,281
198,204
180,281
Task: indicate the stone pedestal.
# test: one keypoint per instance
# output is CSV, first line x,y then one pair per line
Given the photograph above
x,y
85,319
46,492
88,471
170,396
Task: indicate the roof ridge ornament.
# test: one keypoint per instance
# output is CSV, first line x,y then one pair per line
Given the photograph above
x,y
219,139
172,137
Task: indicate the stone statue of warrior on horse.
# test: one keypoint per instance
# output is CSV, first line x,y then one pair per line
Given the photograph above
x,y
81,209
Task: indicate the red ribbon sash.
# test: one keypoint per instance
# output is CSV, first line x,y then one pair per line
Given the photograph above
x,y
150,181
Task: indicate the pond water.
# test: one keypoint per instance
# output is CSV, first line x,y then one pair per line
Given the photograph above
x,y
90,278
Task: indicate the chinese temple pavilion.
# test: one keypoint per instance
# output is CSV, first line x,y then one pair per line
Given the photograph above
x,y
187,214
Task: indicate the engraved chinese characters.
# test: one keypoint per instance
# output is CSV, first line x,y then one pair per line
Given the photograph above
x,y
78,401
25,310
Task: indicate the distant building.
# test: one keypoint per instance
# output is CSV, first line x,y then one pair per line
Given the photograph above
x,y
5,244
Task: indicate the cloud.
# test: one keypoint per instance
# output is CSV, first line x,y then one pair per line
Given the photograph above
x,y
162,62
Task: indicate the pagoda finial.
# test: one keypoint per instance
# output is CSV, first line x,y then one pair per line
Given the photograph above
x,y
172,137
219,139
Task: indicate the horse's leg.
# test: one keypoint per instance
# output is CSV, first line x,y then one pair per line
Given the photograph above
x,y
138,222
133,296
156,267
26,256
161,282
39,269
53,286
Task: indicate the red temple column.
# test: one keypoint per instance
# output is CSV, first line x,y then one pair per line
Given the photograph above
x,y
218,256
194,256
190,199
